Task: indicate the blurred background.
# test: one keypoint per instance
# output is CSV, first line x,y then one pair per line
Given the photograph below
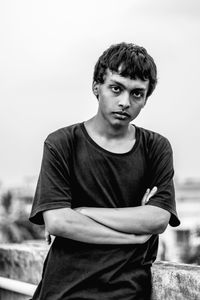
x,y
47,54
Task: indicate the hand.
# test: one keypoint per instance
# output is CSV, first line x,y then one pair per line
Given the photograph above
x,y
47,237
79,210
149,193
139,239
144,238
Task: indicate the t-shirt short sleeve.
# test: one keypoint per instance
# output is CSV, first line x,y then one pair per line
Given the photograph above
x,y
161,175
53,187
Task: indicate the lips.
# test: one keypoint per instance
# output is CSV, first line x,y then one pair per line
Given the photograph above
x,y
122,114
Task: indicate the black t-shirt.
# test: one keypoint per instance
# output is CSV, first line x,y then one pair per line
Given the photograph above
x,y
77,172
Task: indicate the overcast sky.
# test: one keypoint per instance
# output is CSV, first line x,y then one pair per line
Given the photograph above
x,y
47,54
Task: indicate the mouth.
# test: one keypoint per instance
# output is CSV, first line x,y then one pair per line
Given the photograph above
x,y
121,115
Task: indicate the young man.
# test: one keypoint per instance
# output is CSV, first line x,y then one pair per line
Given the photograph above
x,y
105,189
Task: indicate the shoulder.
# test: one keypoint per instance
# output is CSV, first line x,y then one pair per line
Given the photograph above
x,y
61,143
154,141
63,136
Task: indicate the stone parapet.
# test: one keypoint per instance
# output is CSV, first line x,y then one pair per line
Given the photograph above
x,y
24,262
172,281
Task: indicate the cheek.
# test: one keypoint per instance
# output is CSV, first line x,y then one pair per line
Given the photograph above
x,y
106,101
136,109
136,113
138,105
104,105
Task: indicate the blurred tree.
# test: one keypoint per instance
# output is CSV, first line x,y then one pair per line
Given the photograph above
x,y
7,201
191,253
14,224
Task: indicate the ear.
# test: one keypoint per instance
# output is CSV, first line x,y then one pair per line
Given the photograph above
x,y
95,89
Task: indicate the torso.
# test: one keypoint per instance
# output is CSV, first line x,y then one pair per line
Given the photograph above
x,y
100,176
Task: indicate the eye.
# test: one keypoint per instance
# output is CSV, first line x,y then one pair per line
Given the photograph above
x,y
115,89
138,94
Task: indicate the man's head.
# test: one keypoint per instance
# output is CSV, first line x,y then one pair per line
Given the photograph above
x,y
128,60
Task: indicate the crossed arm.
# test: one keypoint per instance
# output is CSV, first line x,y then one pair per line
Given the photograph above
x,y
131,225
137,220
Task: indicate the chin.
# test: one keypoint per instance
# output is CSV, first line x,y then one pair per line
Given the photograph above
x,y
120,124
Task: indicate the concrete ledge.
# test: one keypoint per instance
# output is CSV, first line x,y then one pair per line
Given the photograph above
x,y
22,262
171,281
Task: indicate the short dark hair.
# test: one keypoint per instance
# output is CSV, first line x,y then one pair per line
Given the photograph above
x,y
133,60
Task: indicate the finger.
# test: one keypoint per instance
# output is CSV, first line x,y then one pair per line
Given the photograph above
x,y
152,193
145,197
47,237
145,238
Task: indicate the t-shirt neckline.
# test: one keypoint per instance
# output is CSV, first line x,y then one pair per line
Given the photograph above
x,y
98,147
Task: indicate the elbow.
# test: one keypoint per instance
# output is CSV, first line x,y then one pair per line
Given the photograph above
x,y
53,226
159,220
161,228
161,224
53,229
60,228
61,222
55,223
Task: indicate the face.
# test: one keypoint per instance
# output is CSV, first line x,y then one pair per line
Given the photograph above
x,y
120,98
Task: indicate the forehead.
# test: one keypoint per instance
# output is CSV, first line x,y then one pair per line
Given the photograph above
x,y
114,77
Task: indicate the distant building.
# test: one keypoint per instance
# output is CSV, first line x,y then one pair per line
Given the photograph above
x,y
177,242
188,203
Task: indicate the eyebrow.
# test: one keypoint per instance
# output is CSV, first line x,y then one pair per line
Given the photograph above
x,y
123,86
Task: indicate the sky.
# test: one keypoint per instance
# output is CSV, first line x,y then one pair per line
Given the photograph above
x,y
48,50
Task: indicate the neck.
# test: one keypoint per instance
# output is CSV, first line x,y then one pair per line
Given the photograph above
x,y
109,131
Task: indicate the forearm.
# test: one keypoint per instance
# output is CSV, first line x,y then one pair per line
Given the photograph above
x,y
68,223
138,220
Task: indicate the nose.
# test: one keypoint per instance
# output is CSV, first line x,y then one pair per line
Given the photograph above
x,y
124,101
